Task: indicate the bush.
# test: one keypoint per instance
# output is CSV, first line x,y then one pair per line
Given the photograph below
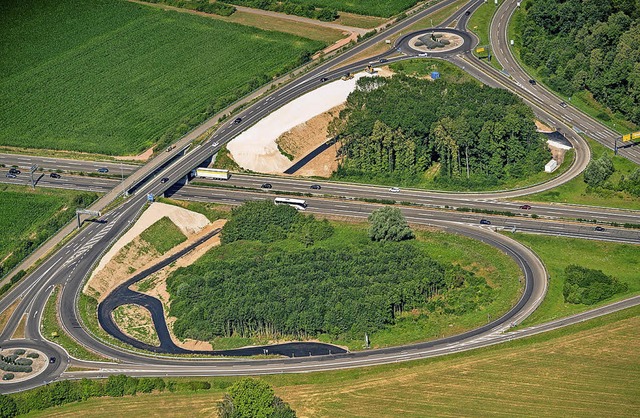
x,y
598,171
253,398
33,355
19,352
8,408
388,224
588,286
24,362
8,376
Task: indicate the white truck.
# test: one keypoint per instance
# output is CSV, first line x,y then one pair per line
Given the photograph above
x,y
213,173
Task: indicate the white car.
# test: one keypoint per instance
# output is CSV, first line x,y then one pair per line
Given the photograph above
x,y
394,190
423,54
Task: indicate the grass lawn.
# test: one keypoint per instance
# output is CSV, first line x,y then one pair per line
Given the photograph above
x,y
577,192
29,217
479,23
163,235
589,369
113,77
424,67
614,259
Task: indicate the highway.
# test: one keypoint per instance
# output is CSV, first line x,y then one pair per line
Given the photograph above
x,y
24,162
571,116
76,257
227,191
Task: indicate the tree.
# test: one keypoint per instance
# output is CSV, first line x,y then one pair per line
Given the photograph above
x,y
8,408
388,224
598,171
253,398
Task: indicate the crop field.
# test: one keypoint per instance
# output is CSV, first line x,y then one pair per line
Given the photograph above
x,y
114,77
30,217
385,8
589,369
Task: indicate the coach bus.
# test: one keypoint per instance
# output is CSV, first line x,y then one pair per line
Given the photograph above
x,y
296,203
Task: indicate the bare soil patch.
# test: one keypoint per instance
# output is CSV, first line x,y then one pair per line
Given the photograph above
x,y
541,127
4,317
136,322
140,157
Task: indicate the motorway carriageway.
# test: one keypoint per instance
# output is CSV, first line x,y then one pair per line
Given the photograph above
x,y
223,192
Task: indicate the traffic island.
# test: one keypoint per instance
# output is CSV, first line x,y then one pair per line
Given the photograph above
x,y
20,364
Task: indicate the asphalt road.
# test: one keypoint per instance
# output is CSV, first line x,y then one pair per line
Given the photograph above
x,y
570,115
24,162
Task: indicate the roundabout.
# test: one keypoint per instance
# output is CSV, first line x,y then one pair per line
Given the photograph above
x,y
435,43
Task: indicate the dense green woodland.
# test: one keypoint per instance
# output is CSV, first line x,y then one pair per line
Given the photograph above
x,y
282,288
591,45
589,286
396,129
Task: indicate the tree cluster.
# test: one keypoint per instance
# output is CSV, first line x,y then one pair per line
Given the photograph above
x,y
266,222
398,128
251,289
388,224
305,9
67,391
205,6
587,45
253,398
598,173
588,286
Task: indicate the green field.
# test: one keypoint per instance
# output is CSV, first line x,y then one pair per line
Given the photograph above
x,y
577,192
163,235
614,259
589,369
424,67
113,77
30,217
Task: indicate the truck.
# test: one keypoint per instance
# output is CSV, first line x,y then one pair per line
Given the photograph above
x,y
213,173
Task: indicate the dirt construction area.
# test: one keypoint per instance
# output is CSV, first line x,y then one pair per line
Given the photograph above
x,y
132,254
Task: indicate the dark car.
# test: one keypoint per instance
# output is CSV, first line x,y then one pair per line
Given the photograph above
x,y
52,360
164,180
237,120
266,186
467,13
527,207
485,222
103,170
14,171
11,176
323,79
55,175
315,187
599,228
383,60
532,82
563,104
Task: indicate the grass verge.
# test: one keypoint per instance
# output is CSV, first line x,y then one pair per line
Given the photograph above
x,y
578,192
618,260
136,321
480,24
52,331
163,235
588,369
